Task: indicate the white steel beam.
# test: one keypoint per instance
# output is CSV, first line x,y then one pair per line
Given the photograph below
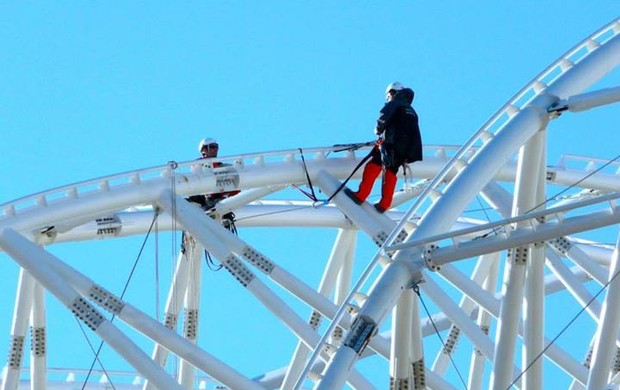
x,y
21,313
534,288
140,321
573,284
400,352
608,328
333,271
33,258
528,170
586,101
476,368
174,301
205,231
191,319
478,276
38,340
422,378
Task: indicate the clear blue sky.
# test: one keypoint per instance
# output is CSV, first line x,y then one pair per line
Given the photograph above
x,y
91,89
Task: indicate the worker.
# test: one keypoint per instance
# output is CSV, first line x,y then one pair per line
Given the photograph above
x,y
208,148
400,143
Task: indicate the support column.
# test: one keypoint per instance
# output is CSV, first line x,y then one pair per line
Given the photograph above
x,y
27,255
528,170
416,358
21,313
199,225
534,299
476,368
608,327
38,343
176,293
192,303
400,354
333,273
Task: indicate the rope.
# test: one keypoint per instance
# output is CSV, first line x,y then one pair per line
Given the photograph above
x,y
558,194
96,353
344,183
135,264
312,194
416,289
568,325
576,183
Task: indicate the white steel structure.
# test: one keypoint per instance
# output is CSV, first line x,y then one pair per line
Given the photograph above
x,y
529,248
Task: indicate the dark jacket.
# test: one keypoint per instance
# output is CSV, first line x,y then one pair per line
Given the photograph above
x,y
398,121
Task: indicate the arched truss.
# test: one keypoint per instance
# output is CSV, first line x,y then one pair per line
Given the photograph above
x,y
532,240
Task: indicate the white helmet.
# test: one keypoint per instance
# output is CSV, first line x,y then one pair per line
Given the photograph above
x,y
395,86
206,142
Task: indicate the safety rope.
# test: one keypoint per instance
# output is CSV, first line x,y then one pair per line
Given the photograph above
x,y
96,353
312,194
568,325
549,199
133,269
416,289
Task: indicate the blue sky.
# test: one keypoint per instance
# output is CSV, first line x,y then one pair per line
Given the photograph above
x,y
92,88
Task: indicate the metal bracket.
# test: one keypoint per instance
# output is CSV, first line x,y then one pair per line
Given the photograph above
x,y
258,259
239,270
428,257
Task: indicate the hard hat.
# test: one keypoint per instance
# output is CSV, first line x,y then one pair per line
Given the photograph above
x,y
395,86
206,142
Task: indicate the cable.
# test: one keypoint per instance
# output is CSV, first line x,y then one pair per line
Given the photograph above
x,y
90,345
583,309
312,195
135,264
575,183
416,289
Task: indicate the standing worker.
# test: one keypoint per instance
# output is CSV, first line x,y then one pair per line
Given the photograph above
x,y
400,143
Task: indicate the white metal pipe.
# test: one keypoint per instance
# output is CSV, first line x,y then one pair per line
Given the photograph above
x,y
573,284
148,326
421,376
524,236
400,352
290,282
462,320
586,101
38,347
479,274
364,216
21,313
393,280
204,230
174,301
534,293
608,327
588,70
596,271
492,305
191,323
476,368
32,258
514,272
333,268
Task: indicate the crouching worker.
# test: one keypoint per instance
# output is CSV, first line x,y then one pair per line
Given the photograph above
x,y
208,148
400,144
